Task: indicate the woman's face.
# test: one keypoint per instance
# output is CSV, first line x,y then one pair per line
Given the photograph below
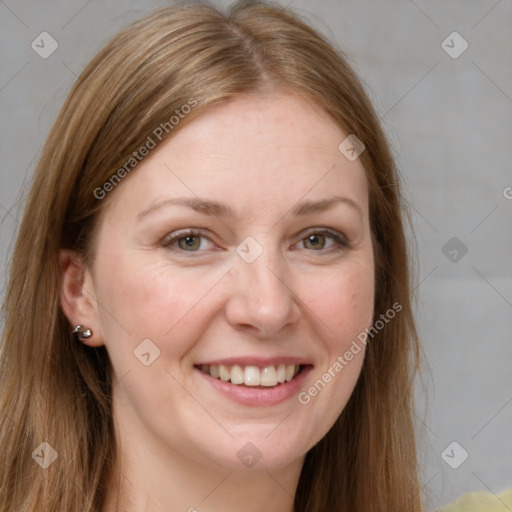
x,y
243,241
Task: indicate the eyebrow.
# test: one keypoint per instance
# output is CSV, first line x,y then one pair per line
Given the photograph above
x,y
214,208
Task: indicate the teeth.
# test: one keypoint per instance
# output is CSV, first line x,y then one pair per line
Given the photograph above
x,y
214,372
290,371
224,373
237,374
268,376
252,375
281,373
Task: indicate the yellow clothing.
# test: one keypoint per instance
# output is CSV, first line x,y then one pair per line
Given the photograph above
x,y
482,501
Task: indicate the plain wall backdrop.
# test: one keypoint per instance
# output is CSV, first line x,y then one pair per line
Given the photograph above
x,y
448,112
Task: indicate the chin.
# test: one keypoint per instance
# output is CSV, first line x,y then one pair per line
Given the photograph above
x,y
258,452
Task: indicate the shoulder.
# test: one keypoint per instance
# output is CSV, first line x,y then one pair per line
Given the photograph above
x,y
481,502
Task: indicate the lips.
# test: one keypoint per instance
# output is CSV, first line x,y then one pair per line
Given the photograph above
x,y
256,382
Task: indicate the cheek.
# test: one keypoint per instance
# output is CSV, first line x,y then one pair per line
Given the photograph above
x,y
343,307
141,297
343,302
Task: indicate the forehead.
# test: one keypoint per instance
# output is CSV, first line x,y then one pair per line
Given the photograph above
x,y
258,153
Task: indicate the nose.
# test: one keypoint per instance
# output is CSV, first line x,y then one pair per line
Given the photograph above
x,y
262,301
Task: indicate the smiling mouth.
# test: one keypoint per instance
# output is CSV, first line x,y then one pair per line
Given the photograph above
x,y
268,376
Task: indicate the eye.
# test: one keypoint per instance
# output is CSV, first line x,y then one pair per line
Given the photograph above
x,y
194,241
188,241
319,240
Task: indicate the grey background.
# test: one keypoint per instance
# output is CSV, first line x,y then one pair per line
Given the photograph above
x,y
450,123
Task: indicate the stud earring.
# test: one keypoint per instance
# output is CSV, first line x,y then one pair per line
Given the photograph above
x,y
82,332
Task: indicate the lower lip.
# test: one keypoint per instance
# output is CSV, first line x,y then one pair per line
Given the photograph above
x,y
259,396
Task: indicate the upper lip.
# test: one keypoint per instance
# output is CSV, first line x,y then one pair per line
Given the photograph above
x,y
261,362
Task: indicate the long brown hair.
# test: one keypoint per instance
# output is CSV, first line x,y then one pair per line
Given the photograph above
x,y
56,390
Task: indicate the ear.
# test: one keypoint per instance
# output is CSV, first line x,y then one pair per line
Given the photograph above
x,y
77,296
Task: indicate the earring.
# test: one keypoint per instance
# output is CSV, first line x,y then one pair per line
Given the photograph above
x,y
82,332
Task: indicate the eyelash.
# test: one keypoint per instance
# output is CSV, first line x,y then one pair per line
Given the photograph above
x,y
340,242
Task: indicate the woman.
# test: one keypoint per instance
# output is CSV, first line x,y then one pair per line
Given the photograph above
x,y
210,303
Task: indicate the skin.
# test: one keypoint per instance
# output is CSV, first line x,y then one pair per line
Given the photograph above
x,y
179,437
